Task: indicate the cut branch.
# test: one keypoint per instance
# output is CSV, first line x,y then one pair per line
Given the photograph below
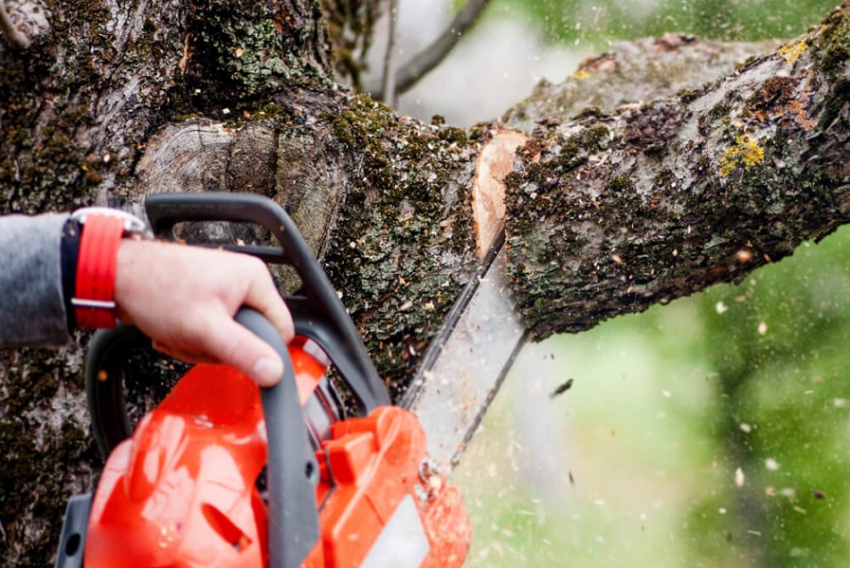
x,y
635,72
614,212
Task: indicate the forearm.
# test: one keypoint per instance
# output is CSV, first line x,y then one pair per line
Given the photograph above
x,y
184,298
32,306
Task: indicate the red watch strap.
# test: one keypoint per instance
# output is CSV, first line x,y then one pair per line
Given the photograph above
x,y
94,300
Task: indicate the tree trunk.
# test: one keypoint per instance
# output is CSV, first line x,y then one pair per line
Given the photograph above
x,y
607,211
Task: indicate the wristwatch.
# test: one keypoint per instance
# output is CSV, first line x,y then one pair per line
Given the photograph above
x,y
101,231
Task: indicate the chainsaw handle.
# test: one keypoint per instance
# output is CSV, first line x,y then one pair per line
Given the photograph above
x,y
319,314
293,472
105,384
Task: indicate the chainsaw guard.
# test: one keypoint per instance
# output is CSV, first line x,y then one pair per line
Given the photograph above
x,y
386,506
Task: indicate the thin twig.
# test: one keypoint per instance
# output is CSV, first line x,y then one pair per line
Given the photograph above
x,y
426,60
388,89
12,34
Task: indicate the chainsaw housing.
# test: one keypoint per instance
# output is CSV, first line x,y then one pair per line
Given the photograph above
x,y
183,492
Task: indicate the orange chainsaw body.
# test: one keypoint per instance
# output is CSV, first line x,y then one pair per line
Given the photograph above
x,y
182,492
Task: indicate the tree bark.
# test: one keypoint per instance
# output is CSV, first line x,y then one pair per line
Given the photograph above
x,y
607,211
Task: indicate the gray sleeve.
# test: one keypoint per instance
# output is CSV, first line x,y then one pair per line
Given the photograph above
x,y
32,306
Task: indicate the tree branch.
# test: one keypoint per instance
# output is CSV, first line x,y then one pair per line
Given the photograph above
x,y
635,72
425,61
614,212
388,90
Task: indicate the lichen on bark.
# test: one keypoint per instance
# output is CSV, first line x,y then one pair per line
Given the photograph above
x,y
238,61
45,455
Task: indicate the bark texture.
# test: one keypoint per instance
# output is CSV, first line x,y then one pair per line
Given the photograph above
x,y
612,212
607,210
636,72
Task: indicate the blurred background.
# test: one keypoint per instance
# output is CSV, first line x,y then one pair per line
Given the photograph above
x,y
712,432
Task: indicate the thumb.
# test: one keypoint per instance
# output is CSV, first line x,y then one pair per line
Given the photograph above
x,y
240,348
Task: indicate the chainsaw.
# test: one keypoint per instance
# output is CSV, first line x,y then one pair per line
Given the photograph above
x,y
223,473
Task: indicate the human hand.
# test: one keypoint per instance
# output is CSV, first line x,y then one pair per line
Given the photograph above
x,y
184,298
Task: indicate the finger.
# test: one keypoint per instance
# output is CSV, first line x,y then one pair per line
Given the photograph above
x,y
264,297
236,346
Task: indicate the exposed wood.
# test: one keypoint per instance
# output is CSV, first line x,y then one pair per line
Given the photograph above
x,y
495,161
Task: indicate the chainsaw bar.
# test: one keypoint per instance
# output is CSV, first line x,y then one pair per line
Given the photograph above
x,y
467,361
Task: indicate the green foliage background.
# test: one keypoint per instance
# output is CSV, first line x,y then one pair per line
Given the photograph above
x,y
747,20
669,405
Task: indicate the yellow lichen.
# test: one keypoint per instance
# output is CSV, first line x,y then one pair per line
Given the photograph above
x,y
792,50
580,75
746,152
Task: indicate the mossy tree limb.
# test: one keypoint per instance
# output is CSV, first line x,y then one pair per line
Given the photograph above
x,y
616,211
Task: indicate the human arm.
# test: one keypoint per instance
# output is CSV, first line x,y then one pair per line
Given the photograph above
x,y
183,297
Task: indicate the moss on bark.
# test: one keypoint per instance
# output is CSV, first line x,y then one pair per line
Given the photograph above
x,y
404,244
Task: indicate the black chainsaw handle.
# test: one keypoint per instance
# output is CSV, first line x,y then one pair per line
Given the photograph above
x,y
292,470
105,361
319,314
